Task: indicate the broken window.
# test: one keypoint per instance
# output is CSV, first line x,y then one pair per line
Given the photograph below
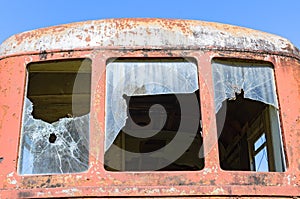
x,y
258,152
152,115
55,128
247,116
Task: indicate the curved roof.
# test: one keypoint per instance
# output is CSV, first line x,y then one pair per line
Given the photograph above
x,y
146,33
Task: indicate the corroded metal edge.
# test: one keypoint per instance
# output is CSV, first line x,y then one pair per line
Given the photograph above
x,y
146,33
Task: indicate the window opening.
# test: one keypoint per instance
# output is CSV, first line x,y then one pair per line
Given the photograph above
x,y
55,128
260,154
247,116
156,103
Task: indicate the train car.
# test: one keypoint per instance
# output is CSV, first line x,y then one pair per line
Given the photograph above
x,y
149,108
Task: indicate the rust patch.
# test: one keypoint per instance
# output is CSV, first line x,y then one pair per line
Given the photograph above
x,y
213,182
88,39
179,180
4,112
79,37
97,182
43,55
25,194
148,32
35,183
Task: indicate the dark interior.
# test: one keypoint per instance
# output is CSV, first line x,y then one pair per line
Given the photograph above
x,y
139,111
233,144
59,89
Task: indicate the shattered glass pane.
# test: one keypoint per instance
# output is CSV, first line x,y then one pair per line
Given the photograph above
x,y
60,147
255,79
138,78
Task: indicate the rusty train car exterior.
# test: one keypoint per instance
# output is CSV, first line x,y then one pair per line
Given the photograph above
x,y
149,108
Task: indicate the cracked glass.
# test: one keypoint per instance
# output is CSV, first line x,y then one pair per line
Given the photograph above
x,y
256,80
55,128
141,78
246,105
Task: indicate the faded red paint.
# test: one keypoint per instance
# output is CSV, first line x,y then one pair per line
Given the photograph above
x,y
212,181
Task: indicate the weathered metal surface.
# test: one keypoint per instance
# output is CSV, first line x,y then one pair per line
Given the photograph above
x,y
138,33
212,181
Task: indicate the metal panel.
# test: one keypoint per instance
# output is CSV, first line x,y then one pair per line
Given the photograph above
x,y
223,41
154,33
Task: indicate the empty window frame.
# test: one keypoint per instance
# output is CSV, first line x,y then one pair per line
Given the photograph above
x,y
258,150
55,127
247,116
152,115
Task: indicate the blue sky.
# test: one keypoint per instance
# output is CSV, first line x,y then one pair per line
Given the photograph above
x,y
277,17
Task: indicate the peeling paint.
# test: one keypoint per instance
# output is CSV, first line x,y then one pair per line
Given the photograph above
x,y
10,174
70,191
13,182
147,38
156,33
218,191
206,171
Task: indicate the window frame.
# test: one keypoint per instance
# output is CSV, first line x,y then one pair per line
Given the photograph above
x,y
267,124
205,182
25,96
254,133
174,59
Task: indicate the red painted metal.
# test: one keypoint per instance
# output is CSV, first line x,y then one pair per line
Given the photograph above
x,y
104,39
